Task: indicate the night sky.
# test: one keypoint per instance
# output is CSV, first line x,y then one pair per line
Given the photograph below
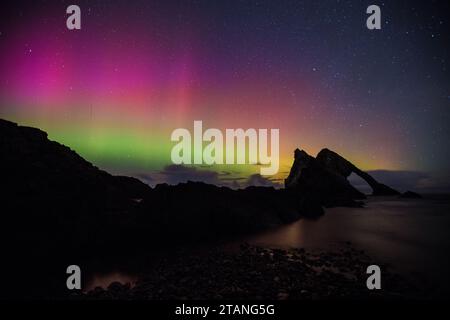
x,y
115,90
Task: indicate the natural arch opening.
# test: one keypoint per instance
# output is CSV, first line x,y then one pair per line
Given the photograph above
x,y
360,184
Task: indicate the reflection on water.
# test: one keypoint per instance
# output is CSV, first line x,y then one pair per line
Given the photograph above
x,y
412,235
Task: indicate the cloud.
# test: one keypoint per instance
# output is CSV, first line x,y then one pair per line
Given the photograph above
x,y
175,174
260,181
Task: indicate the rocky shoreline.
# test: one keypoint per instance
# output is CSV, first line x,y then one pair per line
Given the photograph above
x,y
260,273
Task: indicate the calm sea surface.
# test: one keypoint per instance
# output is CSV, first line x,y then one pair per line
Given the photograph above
x,y
410,235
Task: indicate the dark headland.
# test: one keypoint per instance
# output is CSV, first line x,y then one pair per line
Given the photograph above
x,y
58,208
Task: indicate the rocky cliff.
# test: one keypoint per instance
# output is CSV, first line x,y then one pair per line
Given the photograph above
x,y
325,178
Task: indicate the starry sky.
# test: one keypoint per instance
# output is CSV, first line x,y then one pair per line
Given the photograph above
x,y
116,89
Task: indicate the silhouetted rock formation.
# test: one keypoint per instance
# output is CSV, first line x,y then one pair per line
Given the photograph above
x,y
337,164
53,202
325,177
53,187
318,184
46,177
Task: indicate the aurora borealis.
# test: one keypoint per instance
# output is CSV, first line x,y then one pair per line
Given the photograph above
x,y
114,90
